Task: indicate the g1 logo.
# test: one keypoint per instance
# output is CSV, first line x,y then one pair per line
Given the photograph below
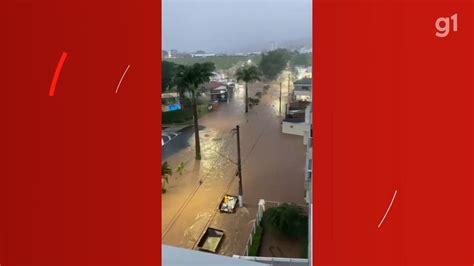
x,y
443,26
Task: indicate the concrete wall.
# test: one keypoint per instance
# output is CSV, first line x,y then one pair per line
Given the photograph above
x,y
294,128
302,95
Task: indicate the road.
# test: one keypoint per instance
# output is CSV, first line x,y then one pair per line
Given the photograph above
x,y
177,143
273,169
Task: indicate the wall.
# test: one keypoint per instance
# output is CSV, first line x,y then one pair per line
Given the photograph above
x,y
294,128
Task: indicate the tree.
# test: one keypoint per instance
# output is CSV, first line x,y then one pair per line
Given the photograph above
x,y
303,60
247,74
191,78
168,71
165,173
289,219
180,168
274,62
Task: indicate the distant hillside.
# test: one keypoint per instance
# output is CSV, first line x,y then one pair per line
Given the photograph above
x,y
221,62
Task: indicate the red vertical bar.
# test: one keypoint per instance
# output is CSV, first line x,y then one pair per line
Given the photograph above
x,y
393,112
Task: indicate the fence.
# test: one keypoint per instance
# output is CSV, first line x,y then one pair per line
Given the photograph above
x,y
275,261
259,215
262,205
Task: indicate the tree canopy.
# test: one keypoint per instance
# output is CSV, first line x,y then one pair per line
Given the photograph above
x,y
191,77
303,60
289,219
168,71
247,74
166,171
274,62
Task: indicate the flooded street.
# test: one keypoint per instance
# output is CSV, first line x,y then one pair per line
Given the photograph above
x,y
272,169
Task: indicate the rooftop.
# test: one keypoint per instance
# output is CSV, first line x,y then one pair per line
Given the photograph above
x,y
295,118
299,105
303,81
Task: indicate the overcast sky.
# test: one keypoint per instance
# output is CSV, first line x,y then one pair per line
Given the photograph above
x,y
233,25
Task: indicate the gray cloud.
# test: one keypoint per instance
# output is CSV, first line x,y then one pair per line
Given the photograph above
x,y
233,25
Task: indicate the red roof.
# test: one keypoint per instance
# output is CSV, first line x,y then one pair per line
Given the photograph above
x,y
215,84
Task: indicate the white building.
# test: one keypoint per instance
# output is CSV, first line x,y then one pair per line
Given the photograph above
x,y
298,117
203,55
309,177
302,90
180,256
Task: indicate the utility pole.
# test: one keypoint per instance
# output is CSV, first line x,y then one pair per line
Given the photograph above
x,y
239,165
280,98
289,75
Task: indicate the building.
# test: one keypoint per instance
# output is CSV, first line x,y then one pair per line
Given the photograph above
x,y
219,94
203,55
170,102
218,77
302,90
297,120
181,256
219,91
309,175
305,50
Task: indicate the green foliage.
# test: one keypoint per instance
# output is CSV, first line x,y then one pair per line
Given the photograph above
x,y
247,74
168,71
304,250
191,77
256,241
180,168
303,60
183,115
274,62
221,62
253,102
291,220
166,171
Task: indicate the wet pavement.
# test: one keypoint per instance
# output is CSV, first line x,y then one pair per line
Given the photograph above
x,y
272,169
178,143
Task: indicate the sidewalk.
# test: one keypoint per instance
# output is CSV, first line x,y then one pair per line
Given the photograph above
x,y
175,127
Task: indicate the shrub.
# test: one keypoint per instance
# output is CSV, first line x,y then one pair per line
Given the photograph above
x,y
253,102
183,115
291,220
256,241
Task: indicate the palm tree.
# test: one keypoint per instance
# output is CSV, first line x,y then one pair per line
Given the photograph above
x,y
191,78
247,74
165,172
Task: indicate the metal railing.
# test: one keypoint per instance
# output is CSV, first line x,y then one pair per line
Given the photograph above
x,y
259,215
275,261
262,205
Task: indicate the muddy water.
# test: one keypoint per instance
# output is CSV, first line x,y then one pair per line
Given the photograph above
x,y
273,167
